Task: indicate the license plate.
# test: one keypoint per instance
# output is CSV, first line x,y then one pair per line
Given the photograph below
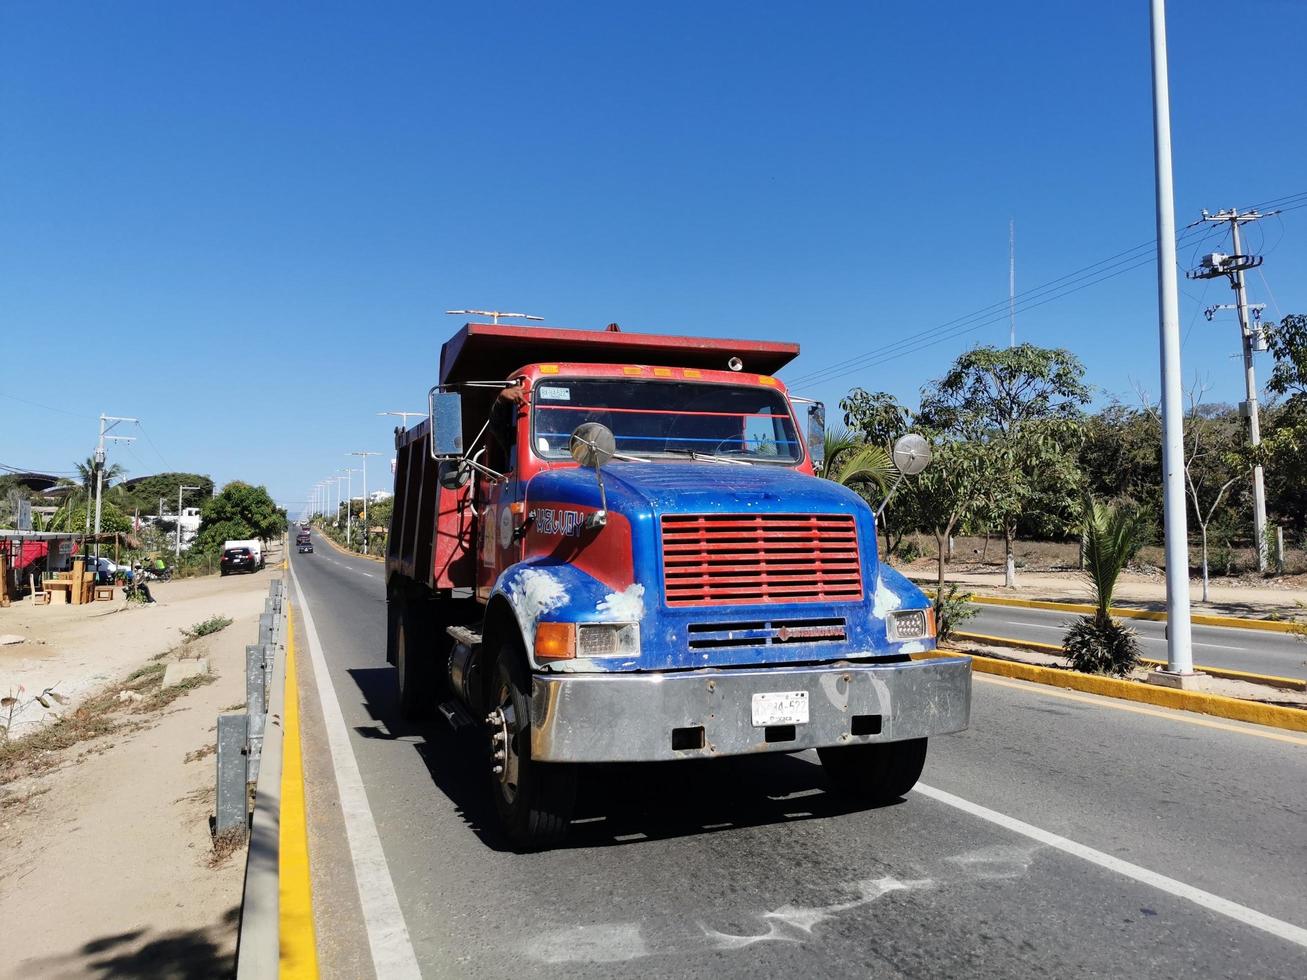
x,y
780,708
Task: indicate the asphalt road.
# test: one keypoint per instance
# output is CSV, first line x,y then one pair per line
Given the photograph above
x,y
749,868
1255,651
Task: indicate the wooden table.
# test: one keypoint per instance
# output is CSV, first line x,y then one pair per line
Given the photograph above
x,y
53,585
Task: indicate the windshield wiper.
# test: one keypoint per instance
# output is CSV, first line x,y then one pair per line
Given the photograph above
x,y
707,457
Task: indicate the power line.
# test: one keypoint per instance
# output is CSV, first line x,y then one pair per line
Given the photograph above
x,y
1124,261
1128,260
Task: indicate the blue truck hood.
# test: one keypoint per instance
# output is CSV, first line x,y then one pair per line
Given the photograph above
x,y
725,634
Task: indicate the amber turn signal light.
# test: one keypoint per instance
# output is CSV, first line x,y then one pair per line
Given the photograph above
x,y
555,641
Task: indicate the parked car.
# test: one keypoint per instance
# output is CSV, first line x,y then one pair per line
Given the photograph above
x,y
238,560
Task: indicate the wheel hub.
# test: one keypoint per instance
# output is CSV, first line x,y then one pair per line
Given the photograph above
x,y
503,746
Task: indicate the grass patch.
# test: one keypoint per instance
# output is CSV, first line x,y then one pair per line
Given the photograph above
x,y
104,713
225,845
203,752
211,625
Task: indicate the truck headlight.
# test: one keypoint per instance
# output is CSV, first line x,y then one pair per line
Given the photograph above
x,y
608,640
911,624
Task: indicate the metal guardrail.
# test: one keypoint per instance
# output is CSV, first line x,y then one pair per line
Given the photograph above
x,y
249,783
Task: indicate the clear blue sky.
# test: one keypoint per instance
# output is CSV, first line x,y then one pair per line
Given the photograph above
x,y
241,222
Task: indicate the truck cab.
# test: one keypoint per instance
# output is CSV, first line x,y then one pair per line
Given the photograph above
x,y
612,547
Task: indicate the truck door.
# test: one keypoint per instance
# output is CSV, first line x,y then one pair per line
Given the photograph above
x,y
497,545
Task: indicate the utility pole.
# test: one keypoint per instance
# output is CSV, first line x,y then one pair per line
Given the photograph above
x,y
1233,267
1012,282
365,454
113,420
1179,631
180,487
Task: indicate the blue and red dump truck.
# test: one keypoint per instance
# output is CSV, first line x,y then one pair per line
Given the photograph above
x,y
612,547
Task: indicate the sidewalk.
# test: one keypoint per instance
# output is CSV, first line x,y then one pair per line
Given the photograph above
x,y
1270,600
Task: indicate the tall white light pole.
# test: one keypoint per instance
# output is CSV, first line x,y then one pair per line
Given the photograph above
x,y
1179,633
178,550
331,483
405,416
365,454
349,503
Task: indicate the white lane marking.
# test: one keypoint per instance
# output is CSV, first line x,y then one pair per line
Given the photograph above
x,y
392,949
1036,626
1223,906
1143,638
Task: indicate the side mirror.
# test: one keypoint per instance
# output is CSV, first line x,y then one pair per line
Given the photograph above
x,y
593,444
445,411
911,454
817,433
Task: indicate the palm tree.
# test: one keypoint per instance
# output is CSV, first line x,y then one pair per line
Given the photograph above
x,y
86,471
850,460
1113,534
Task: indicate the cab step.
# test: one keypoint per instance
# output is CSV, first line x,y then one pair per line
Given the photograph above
x,y
465,635
455,714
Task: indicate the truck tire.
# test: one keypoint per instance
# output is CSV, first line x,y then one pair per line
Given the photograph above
x,y
876,773
534,799
414,666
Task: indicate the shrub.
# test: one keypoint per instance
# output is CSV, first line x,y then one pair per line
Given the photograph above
x,y
1101,645
952,609
211,625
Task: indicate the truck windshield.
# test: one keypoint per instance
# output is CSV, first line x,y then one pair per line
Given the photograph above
x,y
666,418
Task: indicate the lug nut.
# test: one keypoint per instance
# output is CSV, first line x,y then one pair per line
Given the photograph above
x,y
499,755
497,770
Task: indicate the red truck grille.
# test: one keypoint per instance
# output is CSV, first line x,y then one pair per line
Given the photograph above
x,y
712,559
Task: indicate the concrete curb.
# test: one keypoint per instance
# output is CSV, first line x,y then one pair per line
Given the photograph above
x,y
1251,712
1201,619
1271,680
345,551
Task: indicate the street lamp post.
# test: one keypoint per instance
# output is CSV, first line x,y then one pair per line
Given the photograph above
x,y
349,503
1179,634
365,454
406,415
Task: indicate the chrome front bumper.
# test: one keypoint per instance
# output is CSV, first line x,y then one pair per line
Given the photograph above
x,y
708,713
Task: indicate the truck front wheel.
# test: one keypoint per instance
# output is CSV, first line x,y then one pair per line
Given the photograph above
x,y
534,799
876,773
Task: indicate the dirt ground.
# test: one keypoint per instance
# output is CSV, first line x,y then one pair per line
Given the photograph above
x,y
79,649
106,861
1048,570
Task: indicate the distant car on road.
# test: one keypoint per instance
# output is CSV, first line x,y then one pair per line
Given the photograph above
x,y
306,546
238,560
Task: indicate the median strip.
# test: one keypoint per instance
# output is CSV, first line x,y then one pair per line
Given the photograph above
x,y
1252,712
1054,649
1157,616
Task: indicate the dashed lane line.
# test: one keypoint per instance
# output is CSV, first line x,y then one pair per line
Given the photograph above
x,y
388,938
1215,903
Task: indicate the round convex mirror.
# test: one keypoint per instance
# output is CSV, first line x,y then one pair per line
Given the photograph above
x,y
592,444
911,454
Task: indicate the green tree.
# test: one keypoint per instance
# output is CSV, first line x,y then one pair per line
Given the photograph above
x,y
881,419
86,473
1288,344
239,511
1024,404
144,493
850,460
1113,535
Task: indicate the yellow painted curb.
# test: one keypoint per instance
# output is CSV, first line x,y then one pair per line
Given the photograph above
x,y
1251,712
1201,619
1272,680
345,551
299,949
